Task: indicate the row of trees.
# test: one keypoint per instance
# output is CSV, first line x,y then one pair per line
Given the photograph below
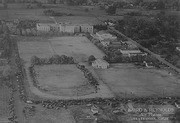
x,y
92,81
56,59
5,45
25,25
75,2
161,28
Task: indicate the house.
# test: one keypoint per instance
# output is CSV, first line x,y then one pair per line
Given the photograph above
x,y
100,63
130,44
178,49
87,28
130,52
102,35
105,42
94,109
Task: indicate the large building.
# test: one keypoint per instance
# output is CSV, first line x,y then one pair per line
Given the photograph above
x,y
100,63
64,28
86,28
103,35
46,27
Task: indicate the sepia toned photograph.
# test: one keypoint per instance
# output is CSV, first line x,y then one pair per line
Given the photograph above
x,y
89,61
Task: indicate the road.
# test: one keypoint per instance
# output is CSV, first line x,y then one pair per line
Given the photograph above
x,y
146,50
19,105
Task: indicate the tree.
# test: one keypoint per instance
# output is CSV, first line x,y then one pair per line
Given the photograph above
x,y
4,2
34,60
111,10
7,72
91,59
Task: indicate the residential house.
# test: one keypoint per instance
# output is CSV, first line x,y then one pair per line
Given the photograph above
x,y
105,42
178,49
102,35
100,63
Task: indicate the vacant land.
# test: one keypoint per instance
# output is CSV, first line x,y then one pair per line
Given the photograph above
x,y
63,80
127,80
80,48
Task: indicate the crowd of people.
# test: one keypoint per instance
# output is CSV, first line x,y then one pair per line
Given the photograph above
x,y
13,116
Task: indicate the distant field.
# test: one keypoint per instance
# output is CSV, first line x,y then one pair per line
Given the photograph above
x,y
63,80
80,16
127,80
78,47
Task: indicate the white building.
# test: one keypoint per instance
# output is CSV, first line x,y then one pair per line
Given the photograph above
x,y
65,28
86,28
178,49
47,27
105,42
102,35
99,63
132,52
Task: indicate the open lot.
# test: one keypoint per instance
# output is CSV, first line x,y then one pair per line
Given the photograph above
x,y
80,48
125,80
63,80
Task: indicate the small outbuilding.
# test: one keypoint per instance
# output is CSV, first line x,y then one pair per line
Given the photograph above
x,y
100,63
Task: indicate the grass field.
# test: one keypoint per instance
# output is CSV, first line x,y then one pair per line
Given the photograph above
x,y
127,80
80,48
63,80
49,76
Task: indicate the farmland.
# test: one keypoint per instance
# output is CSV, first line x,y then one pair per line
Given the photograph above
x,y
129,81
